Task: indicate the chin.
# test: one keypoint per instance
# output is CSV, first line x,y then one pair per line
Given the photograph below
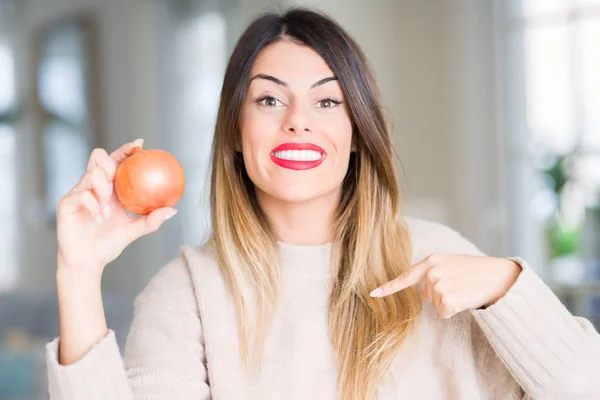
x,y
295,194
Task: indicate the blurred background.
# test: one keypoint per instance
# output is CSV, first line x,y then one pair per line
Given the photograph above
x,y
495,107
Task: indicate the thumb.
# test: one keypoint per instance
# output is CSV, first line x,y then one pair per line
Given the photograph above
x,y
150,223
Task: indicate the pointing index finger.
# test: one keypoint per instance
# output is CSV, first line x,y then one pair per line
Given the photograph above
x,y
408,278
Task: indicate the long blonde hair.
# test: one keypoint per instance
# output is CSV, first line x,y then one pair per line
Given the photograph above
x,y
371,244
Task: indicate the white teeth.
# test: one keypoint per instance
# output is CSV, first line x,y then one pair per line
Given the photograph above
x,y
298,155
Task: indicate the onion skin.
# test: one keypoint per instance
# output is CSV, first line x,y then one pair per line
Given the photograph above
x,y
148,180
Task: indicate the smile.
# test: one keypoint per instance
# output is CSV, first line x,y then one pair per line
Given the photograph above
x,y
298,156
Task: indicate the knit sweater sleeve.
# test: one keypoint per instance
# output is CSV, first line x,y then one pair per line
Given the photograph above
x,y
164,355
552,354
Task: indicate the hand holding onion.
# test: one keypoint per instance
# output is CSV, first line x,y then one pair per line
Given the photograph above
x,y
94,222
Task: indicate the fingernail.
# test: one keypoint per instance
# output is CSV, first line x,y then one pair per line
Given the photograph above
x,y
106,212
139,141
376,292
171,215
111,187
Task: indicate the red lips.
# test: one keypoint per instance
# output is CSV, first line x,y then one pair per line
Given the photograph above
x,y
296,164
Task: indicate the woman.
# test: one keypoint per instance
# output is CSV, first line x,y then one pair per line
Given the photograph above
x,y
311,286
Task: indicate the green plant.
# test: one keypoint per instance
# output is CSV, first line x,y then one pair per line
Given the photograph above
x,y
562,238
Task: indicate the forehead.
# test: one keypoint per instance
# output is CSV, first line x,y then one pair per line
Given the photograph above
x,y
291,62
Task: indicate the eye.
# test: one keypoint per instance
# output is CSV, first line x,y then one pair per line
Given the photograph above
x,y
328,103
269,101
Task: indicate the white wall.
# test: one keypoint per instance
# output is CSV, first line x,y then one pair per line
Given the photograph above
x,y
479,195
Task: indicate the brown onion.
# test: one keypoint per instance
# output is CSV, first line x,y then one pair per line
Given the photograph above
x,y
149,179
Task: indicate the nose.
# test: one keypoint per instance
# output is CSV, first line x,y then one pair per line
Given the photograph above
x,y
297,121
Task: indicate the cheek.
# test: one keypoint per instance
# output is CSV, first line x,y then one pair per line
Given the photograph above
x,y
340,133
255,127
258,133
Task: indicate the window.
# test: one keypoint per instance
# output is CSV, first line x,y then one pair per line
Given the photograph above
x,y
8,201
63,90
552,107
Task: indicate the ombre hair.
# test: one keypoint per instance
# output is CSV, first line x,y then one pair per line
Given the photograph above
x,y
371,244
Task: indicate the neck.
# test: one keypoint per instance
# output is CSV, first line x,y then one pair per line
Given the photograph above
x,y
302,223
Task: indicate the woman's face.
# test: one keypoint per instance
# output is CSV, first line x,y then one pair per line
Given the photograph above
x,y
295,128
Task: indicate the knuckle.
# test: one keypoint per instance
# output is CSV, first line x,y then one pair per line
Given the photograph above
x,y
61,202
433,275
85,197
111,168
438,288
107,163
98,177
91,174
386,286
88,198
433,258
97,172
446,302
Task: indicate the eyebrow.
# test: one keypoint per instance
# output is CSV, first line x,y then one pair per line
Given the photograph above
x,y
284,84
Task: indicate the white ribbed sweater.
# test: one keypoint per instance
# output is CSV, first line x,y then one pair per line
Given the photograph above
x,y
183,343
